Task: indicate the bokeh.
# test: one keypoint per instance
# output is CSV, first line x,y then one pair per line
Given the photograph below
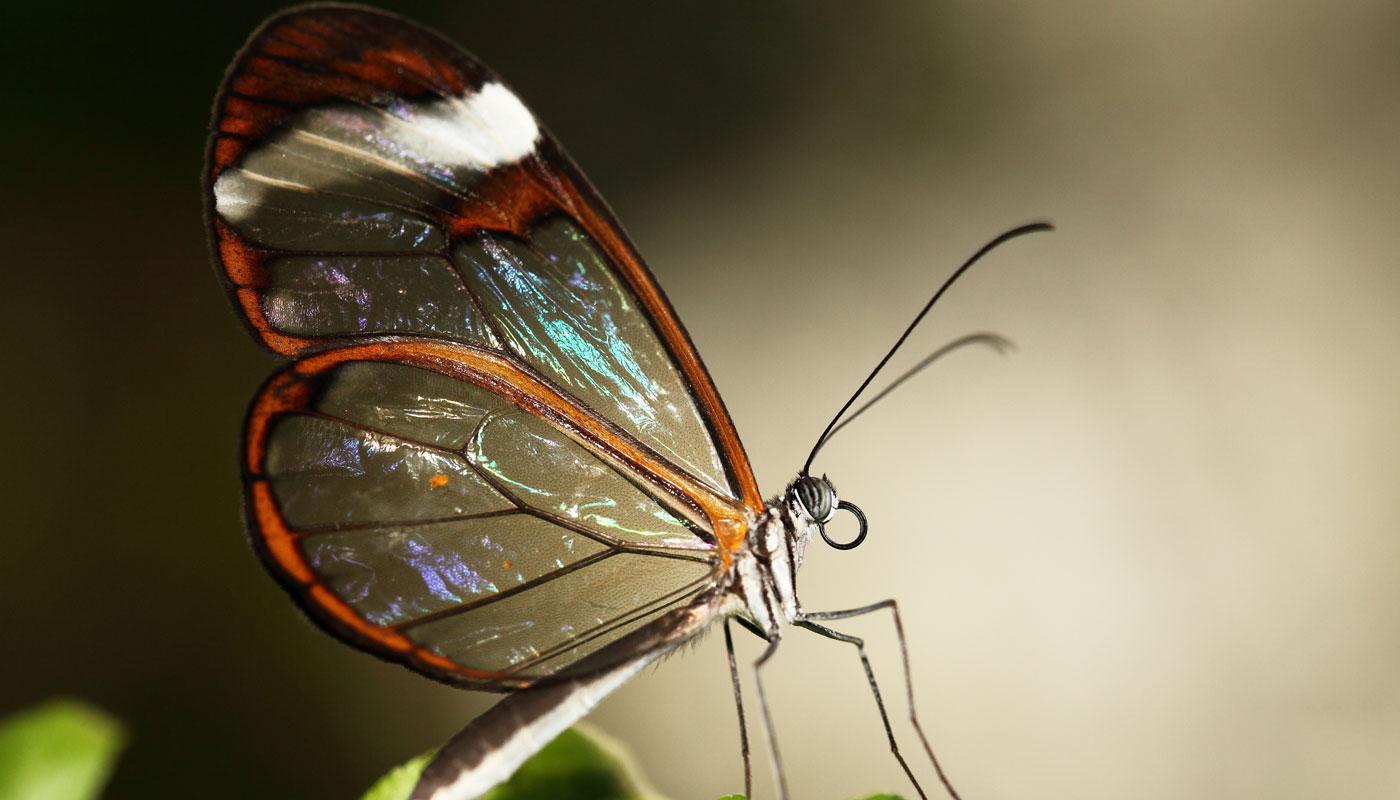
x,y
1155,553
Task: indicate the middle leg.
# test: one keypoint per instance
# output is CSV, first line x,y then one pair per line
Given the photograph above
x,y
874,688
893,608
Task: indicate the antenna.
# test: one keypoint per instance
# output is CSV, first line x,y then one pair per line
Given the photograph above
x,y
1022,230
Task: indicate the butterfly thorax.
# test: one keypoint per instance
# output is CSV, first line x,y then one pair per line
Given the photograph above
x,y
763,574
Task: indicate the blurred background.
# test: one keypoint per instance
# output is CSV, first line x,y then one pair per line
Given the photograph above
x,y
1153,554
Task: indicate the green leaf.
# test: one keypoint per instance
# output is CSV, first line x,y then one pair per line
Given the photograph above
x,y
398,782
61,750
575,766
581,764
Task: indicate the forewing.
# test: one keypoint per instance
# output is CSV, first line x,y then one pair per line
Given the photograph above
x,y
431,504
367,178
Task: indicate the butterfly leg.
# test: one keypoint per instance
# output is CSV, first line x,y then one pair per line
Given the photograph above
x,y
739,704
768,728
808,621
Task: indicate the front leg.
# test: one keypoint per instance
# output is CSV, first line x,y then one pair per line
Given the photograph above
x,y
807,619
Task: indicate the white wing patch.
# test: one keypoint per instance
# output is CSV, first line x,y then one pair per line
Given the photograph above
x,y
492,128
405,153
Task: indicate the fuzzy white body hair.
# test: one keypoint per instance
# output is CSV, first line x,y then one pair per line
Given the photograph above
x,y
763,575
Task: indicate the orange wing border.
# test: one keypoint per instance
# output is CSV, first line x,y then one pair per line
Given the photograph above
x,y
399,56
297,387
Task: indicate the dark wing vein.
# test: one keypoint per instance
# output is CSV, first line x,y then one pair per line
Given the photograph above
x,y
472,605
603,629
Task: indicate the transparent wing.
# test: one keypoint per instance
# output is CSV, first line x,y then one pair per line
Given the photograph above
x,y
367,179
420,504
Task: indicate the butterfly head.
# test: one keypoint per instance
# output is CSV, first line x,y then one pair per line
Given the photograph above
x,y
817,497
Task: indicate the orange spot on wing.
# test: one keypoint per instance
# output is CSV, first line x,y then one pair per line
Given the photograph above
x,y
438,481
506,563
281,544
498,374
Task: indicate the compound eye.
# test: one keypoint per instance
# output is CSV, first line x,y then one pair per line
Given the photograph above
x,y
817,497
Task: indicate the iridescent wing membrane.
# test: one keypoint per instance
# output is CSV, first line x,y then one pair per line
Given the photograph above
x,y
498,451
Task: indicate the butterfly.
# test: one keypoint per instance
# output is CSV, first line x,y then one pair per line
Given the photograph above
x,y
494,456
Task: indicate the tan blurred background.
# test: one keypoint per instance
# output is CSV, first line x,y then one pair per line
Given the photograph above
x,y
1153,554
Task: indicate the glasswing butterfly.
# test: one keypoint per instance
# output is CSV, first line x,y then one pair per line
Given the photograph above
x,y
495,457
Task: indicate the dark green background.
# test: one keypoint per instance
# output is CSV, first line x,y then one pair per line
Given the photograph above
x,y
1153,555
126,576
